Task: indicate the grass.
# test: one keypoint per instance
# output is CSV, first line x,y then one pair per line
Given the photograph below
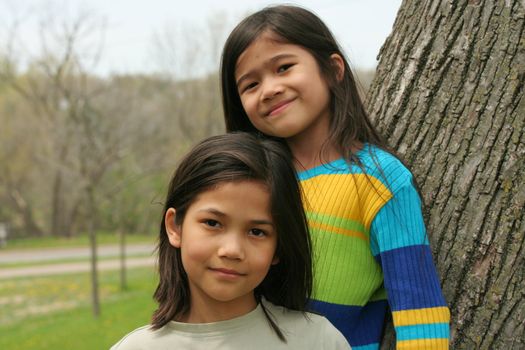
x,y
76,241
54,312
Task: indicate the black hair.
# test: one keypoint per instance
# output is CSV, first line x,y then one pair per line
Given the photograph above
x,y
230,158
349,124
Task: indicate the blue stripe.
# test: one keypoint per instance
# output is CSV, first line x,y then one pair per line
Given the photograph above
x,y
370,156
374,346
410,278
338,166
423,331
399,223
360,325
385,167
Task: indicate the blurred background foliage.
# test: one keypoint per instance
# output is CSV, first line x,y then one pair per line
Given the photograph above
x,y
68,136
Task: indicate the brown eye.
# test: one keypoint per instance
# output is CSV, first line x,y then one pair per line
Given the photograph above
x,y
211,223
284,68
257,232
249,86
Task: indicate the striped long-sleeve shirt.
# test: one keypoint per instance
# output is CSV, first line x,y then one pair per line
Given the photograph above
x,y
371,251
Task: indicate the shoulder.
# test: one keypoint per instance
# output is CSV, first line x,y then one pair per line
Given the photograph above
x,y
135,339
307,328
385,167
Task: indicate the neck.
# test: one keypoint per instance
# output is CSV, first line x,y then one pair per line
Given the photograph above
x,y
309,153
310,147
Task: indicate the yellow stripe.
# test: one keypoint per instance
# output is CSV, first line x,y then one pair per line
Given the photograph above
x,y
421,316
427,344
338,230
350,196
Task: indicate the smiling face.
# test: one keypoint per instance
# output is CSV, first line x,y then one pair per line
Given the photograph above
x,y
228,242
282,90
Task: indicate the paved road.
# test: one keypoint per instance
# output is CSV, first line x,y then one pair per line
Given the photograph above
x,y
58,269
50,254
41,256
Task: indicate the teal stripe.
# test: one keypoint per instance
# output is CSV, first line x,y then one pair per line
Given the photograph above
x,y
335,221
376,162
399,223
423,331
374,346
335,167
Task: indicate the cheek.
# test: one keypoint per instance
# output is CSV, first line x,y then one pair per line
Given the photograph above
x,y
311,84
256,122
265,257
253,117
192,252
248,107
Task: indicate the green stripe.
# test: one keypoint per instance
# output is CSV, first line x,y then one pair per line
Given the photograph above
x,y
332,220
344,269
379,295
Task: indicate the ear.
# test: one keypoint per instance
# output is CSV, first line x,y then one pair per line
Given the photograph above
x,y
339,65
173,230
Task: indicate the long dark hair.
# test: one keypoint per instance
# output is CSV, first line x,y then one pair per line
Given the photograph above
x,y
349,122
238,157
295,25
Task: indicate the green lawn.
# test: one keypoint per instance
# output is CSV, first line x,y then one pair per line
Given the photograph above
x,y
54,312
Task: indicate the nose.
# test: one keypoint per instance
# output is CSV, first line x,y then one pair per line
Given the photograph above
x,y
232,246
271,88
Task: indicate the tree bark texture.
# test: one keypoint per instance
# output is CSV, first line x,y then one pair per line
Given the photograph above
x,y
448,96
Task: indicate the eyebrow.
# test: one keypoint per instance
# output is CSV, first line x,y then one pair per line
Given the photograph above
x,y
271,60
221,214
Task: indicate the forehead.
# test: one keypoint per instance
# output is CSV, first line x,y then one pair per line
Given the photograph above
x,y
263,48
232,189
240,201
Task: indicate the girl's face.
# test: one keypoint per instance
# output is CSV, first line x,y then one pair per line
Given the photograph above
x,y
282,90
228,243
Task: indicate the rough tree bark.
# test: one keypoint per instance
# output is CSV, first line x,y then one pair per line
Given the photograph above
x,y
448,95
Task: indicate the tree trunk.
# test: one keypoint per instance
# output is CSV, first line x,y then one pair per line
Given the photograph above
x,y
31,228
56,207
95,299
122,250
448,96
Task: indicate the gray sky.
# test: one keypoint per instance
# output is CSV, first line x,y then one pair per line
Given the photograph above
x,y
361,26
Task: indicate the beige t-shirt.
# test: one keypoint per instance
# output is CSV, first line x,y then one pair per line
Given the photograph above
x,y
248,332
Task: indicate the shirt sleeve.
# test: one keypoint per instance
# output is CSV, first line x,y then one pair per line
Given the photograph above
x,y
400,244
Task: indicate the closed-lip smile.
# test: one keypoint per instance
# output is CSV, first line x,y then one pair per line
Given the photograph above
x,y
277,108
227,271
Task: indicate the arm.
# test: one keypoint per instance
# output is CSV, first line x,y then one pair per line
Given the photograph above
x,y
399,242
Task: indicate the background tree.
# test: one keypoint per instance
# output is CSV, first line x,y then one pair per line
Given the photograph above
x,y
55,90
189,55
448,94
76,138
120,135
